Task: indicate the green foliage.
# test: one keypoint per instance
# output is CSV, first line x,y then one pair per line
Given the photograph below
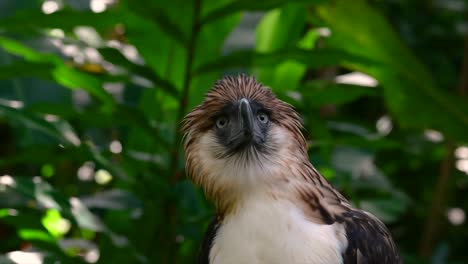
x,y
92,103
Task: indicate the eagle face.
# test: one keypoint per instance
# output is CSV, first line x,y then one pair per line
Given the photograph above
x,y
239,138
241,127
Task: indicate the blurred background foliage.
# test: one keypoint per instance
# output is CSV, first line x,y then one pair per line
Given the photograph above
x,y
92,93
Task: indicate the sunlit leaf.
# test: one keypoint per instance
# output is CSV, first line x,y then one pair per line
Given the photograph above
x,y
62,73
73,79
281,29
34,234
55,223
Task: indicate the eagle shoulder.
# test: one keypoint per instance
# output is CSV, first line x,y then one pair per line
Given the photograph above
x,y
207,244
369,241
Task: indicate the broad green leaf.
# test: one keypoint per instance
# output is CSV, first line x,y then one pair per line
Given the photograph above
x,y
153,11
124,115
16,48
30,20
26,69
318,93
60,130
311,58
289,74
209,46
408,86
278,30
74,79
102,22
246,5
62,73
281,29
115,57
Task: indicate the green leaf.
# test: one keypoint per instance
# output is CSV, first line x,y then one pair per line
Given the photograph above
x,y
409,89
74,79
61,73
21,50
281,29
48,197
59,130
311,58
55,223
115,57
35,234
318,93
65,19
30,21
26,69
246,5
152,11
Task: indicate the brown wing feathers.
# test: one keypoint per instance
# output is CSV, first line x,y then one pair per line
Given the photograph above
x,y
369,241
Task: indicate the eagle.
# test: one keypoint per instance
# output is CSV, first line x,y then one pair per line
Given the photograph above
x,y
245,148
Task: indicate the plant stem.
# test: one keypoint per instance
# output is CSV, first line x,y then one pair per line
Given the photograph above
x,y
183,101
463,87
176,173
433,225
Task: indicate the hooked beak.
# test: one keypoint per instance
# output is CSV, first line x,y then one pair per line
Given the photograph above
x,y
243,131
246,118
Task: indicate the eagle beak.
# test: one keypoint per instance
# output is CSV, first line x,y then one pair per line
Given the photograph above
x,y
243,128
246,118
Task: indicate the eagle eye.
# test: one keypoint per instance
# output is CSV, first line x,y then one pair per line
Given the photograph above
x,y
262,117
221,122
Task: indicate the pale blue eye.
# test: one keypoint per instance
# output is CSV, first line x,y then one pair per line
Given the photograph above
x,y
221,122
262,117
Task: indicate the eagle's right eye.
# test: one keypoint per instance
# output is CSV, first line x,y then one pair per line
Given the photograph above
x,y
221,122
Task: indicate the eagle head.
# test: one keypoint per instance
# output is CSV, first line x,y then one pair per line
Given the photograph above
x,y
240,139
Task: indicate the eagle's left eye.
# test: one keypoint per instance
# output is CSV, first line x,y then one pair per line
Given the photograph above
x,y
221,122
262,117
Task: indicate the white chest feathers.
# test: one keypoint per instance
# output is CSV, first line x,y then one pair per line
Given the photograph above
x,y
268,231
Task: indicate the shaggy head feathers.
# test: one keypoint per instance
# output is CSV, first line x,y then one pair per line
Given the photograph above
x,y
222,175
231,89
